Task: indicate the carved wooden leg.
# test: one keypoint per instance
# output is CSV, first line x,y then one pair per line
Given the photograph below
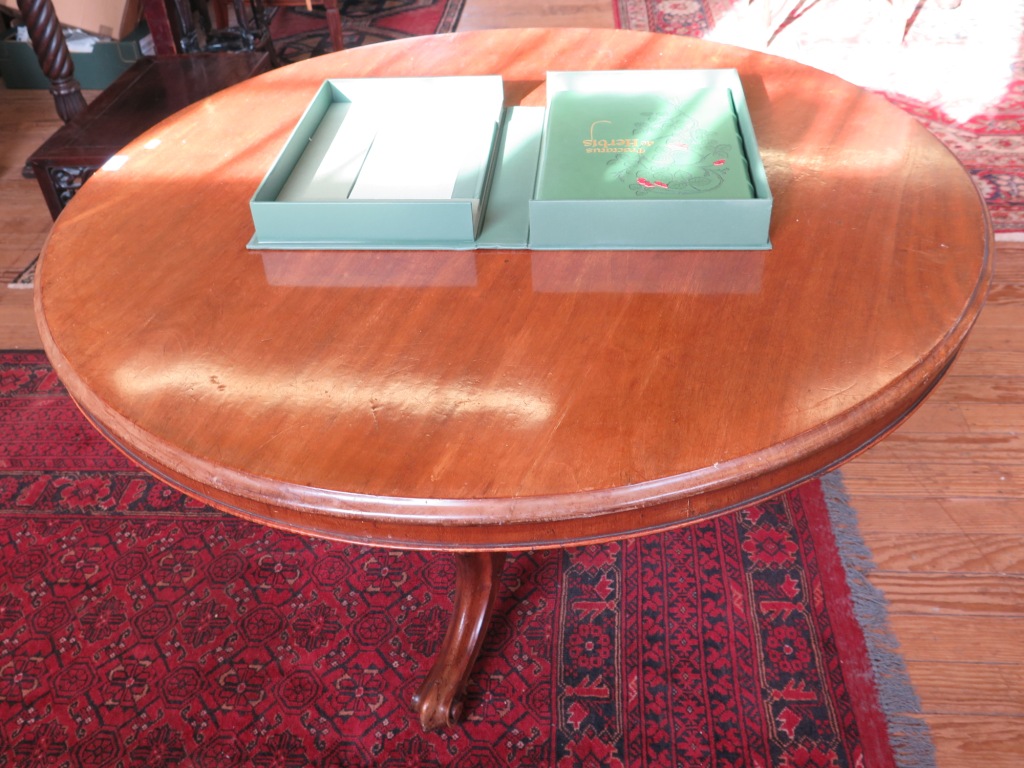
x,y
334,28
52,51
439,698
158,19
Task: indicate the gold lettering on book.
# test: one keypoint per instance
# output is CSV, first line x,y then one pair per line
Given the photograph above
x,y
613,145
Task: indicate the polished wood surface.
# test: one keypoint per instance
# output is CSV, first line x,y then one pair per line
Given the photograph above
x,y
512,399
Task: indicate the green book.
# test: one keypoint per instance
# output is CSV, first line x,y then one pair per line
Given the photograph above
x,y
626,146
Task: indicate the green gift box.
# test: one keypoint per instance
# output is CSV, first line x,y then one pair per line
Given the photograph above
x,y
659,159
618,160
399,162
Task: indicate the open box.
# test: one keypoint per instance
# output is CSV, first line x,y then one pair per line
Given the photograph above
x,y
406,161
695,121
438,163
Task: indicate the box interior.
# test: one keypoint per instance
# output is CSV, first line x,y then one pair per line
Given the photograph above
x,y
410,157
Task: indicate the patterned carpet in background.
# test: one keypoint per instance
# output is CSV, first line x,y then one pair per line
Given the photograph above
x,y
138,628
959,71
299,34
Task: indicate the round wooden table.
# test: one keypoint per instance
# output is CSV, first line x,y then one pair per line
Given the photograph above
x,y
481,402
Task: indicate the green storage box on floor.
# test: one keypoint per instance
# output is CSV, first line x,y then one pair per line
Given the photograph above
x,y
20,68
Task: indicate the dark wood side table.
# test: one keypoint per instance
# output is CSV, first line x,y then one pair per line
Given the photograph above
x,y
482,402
48,42
150,90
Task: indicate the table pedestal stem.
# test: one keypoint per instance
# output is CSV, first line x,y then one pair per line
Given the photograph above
x,y
440,697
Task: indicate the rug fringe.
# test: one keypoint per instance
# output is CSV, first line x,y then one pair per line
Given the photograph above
x,y
909,735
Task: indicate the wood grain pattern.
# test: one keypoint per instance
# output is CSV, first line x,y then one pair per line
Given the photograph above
x,y
937,515
1010,273
536,405
977,594
969,418
992,742
983,478
943,448
969,689
957,639
951,557
965,553
27,118
979,388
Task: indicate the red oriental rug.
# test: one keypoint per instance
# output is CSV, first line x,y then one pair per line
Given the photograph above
x,y
960,71
299,33
139,628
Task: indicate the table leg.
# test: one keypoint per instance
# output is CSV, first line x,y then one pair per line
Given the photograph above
x,y
158,19
333,14
440,697
54,58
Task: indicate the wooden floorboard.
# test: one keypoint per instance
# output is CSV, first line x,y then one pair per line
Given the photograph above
x,y
954,593
959,552
495,14
974,690
940,503
957,638
27,118
935,516
984,741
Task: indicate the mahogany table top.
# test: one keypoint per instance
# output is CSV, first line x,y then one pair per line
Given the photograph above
x,y
512,399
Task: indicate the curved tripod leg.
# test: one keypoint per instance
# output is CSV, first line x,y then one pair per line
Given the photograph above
x,y
440,696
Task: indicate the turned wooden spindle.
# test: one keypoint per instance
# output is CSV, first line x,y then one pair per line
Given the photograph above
x,y
48,42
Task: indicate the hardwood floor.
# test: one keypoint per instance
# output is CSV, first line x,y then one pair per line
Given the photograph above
x,y
941,505
27,118
940,502
501,14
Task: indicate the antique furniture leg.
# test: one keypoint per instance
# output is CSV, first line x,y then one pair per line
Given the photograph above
x,y
334,28
51,49
158,19
439,699
332,14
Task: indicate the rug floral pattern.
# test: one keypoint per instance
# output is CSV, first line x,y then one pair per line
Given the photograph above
x,y
299,34
139,628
